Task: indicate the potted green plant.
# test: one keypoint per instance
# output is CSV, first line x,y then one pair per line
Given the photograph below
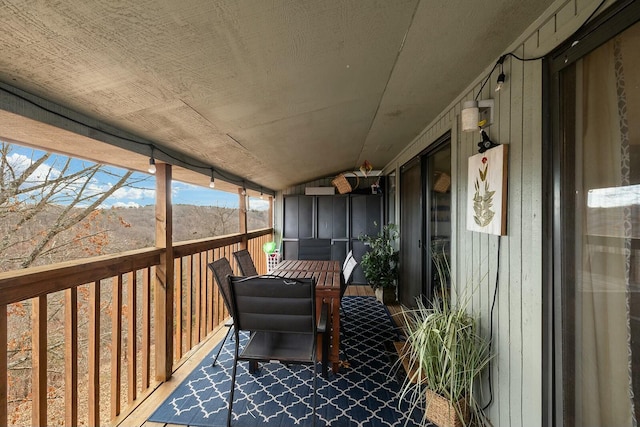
x,y
445,355
380,263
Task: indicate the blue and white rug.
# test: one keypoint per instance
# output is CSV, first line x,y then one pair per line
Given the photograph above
x,y
364,394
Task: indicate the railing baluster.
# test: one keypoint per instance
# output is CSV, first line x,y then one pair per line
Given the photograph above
x,y
39,361
189,315
208,279
177,341
197,284
116,346
132,333
94,354
146,327
4,421
195,317
71,356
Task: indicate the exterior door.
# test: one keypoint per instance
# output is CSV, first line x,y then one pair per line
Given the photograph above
x,y
425,231
596,217
410,283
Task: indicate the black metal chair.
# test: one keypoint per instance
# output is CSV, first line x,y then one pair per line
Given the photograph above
x,y
280,313
314,249
221,268
349,265
245,262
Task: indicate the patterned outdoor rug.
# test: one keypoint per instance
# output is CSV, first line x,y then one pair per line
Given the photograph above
x,y
364,394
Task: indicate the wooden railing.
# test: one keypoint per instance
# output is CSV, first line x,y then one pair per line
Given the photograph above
x,y
118,288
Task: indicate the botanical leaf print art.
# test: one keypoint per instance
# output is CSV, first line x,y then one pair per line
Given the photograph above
x,y
483,197
487,191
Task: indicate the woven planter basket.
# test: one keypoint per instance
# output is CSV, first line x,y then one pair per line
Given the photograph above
x,y
443,413
342,183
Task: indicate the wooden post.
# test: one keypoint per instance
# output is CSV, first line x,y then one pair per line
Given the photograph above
x,y
164,275
243,216
270,213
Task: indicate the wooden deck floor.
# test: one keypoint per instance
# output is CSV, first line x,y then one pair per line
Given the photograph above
x,y
139,416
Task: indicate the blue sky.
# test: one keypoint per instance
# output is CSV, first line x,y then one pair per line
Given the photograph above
x,y
141,192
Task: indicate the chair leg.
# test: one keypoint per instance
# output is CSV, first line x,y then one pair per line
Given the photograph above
x,y
342,308
233,385
325,354
315,392
220,348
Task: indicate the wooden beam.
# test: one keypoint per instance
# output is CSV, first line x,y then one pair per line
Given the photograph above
x,y
39,361
164,274
71,357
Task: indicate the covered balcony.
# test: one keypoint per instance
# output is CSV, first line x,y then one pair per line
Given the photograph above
x,y
286,101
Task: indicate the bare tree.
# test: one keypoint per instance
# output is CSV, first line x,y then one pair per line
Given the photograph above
x,y
42,196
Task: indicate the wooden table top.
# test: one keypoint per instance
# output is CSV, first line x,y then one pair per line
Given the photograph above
x,y
326,273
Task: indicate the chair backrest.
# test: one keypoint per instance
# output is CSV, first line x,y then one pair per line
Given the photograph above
x,y
314,249
274,304
221,269
247,267
344,264
350,265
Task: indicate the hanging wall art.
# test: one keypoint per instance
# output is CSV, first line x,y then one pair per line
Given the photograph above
x,y
487,191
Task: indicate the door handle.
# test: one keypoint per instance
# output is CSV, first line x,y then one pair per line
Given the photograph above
x,y
419,244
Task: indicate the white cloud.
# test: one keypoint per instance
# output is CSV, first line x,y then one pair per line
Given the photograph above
x,y
20,163
128,193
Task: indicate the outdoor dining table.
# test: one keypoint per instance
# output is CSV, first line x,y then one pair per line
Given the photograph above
x,y
327,275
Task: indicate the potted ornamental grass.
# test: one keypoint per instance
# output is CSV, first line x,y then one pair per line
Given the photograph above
x,y
446,355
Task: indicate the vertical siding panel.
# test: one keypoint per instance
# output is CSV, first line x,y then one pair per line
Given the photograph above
x,y
499,411
514,258
455,171
532,250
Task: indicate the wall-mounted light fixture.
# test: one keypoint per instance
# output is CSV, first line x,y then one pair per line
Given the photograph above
x,y
501,76
212,183
244,189
474,112
152,163
500,81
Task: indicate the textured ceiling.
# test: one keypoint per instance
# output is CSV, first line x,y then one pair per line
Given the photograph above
x,y
277,92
